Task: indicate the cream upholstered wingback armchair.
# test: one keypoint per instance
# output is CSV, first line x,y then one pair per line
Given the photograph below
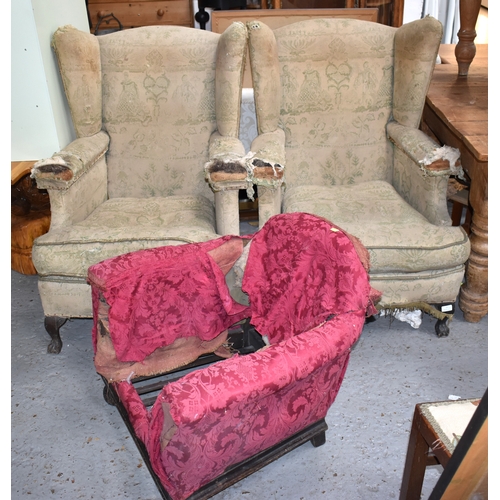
x,y
150,106
338,105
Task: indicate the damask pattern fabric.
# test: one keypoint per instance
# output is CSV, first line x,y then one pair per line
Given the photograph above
x,y
80,65
123,225
334,104
399,238
308,289
219,416
301,270
166,80
163,294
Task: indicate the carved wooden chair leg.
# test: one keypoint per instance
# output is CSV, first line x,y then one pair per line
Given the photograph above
x,y
442,328
53,325
319,439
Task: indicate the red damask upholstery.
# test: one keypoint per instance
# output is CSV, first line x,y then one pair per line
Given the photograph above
x,y
309,293
158,295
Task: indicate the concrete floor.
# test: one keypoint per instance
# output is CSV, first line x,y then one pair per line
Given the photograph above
x,y
67,443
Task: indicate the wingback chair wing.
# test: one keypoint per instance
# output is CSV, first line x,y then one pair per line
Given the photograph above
x,y
206,428
338,105
146,105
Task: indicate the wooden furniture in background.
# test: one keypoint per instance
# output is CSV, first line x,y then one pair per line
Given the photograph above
x,y
456,114
202,16
389,12
113,14
30,216
458,195
465,49
275,18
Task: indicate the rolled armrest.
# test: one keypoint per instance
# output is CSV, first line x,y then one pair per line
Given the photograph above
x,y
256,376
219,416
65,167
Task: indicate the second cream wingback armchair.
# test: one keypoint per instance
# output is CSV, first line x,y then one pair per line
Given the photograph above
x,y
338,105
150,106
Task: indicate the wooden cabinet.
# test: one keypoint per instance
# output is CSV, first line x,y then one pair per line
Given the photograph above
x,y
109,15
390,12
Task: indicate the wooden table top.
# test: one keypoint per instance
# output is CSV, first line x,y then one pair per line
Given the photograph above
x,y
19,169
461,102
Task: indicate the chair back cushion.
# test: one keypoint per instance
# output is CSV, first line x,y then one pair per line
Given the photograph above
x,y
302,270
158,109
338,92
153,90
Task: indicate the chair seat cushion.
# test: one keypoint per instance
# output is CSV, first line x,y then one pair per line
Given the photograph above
x,y
123,225
398,238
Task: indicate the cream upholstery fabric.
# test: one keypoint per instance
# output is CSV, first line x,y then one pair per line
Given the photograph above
x,y
348,95
143,104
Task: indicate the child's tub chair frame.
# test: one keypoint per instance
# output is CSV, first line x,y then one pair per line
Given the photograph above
x,y
266,388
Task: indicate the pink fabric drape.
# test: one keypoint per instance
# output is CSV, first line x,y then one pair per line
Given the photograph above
x,y
158,295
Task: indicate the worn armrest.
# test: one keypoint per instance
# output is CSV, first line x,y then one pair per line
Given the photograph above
x,y
267,158
424,151
68,165
227,174
76,179
227,161
421,171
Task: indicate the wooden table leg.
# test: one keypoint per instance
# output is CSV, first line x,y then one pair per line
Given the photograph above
x,y
416,461
465,49
473,299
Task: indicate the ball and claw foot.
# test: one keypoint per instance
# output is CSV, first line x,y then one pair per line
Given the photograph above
x,y
52,325
442,328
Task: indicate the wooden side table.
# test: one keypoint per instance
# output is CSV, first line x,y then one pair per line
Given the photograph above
x,y
30,216
456,114
435,432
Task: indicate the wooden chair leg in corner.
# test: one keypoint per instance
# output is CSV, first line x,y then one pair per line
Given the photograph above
x,y
416,462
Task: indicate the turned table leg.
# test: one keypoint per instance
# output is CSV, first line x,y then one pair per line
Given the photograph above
x,y
474,294
466,49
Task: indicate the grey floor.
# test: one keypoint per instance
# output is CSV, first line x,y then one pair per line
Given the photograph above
x,y
67,443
